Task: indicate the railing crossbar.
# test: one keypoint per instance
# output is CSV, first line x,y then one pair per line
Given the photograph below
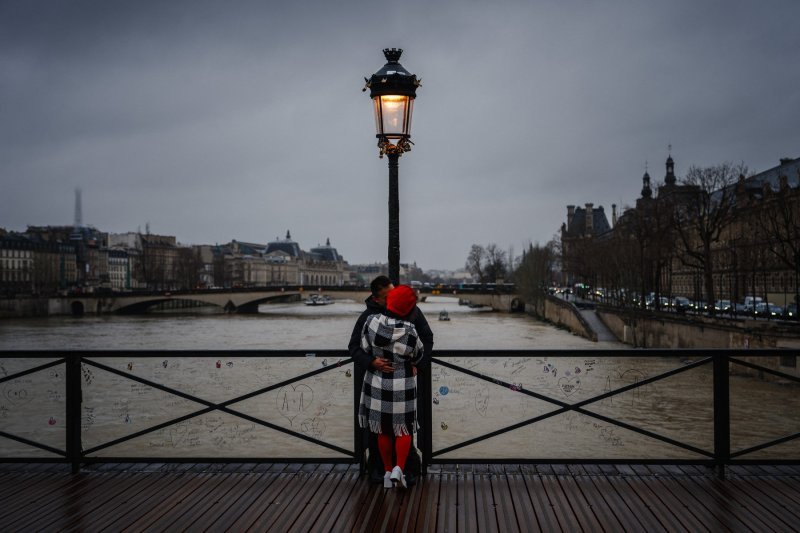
x,y
765,369
645,432
500,382
577,407
33,370
211,406
769,444
33,443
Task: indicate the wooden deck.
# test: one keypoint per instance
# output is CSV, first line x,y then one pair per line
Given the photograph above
x,y
297,497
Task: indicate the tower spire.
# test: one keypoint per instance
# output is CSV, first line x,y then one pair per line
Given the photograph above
x,y
78,208
670,179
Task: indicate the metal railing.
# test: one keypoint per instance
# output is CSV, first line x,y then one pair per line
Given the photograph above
x,y
513,377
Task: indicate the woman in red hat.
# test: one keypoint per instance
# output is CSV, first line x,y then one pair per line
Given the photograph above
x,y
388,403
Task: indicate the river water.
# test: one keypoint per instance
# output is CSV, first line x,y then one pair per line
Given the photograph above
x,y
320,406
277,326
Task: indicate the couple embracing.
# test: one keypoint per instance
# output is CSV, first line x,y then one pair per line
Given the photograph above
x,y
391,341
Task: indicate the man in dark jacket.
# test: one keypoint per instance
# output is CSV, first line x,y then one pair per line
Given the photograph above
x,y
376,303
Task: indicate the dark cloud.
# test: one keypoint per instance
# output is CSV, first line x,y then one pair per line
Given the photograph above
x,y
221,120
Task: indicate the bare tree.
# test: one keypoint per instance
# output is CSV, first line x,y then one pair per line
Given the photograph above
x,y
703,209
475,260
778,227
495,263
535,271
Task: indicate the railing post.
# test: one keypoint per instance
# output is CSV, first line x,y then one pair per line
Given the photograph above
x,y
358,433
74,399
722,414
425,436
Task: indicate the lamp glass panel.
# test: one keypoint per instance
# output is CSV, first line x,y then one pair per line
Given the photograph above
x,y
394,113
377,109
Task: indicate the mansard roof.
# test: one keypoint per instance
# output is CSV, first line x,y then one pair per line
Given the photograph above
x,y
325,253
788,167
286,245
577,226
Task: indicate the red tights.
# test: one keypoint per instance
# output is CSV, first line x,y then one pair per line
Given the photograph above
x,y
402,445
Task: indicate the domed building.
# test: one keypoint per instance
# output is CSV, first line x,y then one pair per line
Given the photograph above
x,y
323,266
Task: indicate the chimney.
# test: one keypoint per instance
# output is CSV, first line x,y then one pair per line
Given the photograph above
x,y
570,214
589,219
613,215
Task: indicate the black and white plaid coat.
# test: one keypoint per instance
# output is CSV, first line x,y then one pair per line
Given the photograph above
x,y
389,399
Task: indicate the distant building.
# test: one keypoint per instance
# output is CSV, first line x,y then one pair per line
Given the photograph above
x,y
583,224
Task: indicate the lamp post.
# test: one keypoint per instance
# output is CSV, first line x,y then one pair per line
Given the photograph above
x,y
393,90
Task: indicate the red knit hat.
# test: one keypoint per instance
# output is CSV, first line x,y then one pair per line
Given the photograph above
x,y
401,300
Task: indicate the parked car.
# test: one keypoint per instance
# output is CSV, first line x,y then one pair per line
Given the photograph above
x,y
751,302
681,304
768,310
722,306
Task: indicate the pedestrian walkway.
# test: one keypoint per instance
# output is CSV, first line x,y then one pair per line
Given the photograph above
x,y
326,497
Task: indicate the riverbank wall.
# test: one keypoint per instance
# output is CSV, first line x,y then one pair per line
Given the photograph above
x,y
561,314
24,307
665,330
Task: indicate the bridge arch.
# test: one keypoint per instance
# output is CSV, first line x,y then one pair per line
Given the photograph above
x,y
76,308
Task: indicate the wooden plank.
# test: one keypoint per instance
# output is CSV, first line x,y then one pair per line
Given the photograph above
x,y
486,520
619,494
560,504
611,513
772,495
19,482
447,516
580,506
203,503
347,485
317,504
92,506
125,503
749,500
546,516
727,510
34,493
149,514
467,515
523,508
46,502
310,483
504,508
697,506
668,510
241,486
273,502
426,502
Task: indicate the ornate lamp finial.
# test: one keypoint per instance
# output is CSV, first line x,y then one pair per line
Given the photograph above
x,y
392,55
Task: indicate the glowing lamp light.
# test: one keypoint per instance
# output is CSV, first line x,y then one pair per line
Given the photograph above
x,y
393,90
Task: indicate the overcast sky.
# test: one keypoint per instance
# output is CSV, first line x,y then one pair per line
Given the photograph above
x,y
228,120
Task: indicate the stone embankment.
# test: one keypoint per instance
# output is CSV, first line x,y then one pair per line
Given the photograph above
x,y
646,329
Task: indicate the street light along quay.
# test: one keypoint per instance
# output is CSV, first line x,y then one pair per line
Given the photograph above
x,y
393,90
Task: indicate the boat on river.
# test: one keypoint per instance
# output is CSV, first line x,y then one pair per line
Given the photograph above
x,y
318,299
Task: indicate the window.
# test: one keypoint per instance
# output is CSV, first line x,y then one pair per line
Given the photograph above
x,y
789,360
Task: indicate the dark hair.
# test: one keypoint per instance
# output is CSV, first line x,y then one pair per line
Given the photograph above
x,y
381,282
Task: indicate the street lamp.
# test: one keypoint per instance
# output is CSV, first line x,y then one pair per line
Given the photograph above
x,y
393,90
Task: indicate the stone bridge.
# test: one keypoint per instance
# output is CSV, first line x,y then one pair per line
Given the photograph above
x,y
248,300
